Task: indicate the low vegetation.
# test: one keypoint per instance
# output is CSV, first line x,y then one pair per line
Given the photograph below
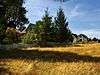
x,y
80,59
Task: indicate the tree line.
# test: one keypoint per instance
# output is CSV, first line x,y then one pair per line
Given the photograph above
x,y
46,30
13,20
12,14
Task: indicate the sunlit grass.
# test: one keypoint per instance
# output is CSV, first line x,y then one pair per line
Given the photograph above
x,y
87,49
21,66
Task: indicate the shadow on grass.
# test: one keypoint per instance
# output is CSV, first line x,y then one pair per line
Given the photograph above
x,y
46,56
4,70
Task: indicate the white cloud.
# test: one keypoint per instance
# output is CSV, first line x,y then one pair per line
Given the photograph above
x,y
75,12
90,33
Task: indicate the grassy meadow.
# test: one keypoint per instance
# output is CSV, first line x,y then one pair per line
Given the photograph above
x,y
80,59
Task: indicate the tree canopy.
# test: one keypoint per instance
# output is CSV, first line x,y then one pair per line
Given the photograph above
x,y
12,13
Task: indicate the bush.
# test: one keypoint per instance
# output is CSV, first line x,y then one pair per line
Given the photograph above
x,y
10,36
28,38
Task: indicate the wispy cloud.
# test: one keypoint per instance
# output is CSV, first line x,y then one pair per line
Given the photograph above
x,y
84,15
90,33
75,11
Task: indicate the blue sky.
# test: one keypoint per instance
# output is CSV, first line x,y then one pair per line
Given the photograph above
x,y
83,15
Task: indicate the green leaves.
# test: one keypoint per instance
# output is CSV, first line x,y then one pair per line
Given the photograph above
x,y
12,13
46,30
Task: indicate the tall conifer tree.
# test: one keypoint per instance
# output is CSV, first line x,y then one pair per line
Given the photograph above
x,y
64,34
47,22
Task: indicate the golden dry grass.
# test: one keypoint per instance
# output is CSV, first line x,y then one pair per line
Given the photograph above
x,y
42,64
87,49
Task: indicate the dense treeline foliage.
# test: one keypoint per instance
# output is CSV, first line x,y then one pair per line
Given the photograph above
x,y
46,30
63,32
13,19
12,14
54,31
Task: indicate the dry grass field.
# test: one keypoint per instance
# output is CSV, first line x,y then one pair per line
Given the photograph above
x,y
80,59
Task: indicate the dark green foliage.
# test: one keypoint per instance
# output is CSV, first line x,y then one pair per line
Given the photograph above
x,y
46,31
33,33
29,37
2,8
10,37
2,21
47,22
63,32
2,32
38,29
53,33
83,36
15,12
95,39
12,14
